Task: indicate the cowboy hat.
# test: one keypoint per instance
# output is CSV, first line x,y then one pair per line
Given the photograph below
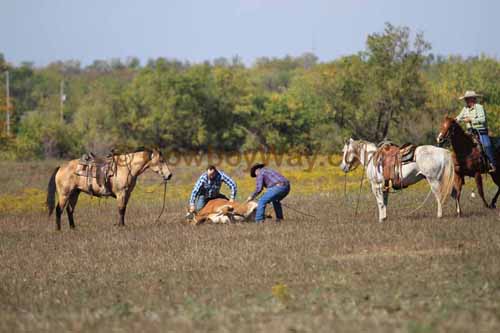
x,y
470,94
254,168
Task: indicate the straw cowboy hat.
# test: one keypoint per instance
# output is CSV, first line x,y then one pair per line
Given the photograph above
x,y
470,94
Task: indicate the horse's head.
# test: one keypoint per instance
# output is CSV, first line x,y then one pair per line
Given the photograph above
x,y
159,165
446,130
350,156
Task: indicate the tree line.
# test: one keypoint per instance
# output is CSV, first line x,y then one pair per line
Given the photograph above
x,y
395,88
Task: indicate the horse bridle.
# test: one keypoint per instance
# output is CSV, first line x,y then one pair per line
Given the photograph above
x,y
161,173
347,154
449,133
358,156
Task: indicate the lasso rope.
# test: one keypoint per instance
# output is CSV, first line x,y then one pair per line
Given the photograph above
x,y
420,206
298,211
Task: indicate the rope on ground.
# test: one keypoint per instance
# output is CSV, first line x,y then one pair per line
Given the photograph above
x,y
420,206
298,211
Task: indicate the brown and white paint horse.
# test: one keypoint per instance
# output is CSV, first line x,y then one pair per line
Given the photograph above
x,y
433,164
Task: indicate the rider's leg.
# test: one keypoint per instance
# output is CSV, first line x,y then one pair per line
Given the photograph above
x,y
488,148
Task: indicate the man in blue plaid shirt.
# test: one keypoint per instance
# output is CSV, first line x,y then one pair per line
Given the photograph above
x,y
208,187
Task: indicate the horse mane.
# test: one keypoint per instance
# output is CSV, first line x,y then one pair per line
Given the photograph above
x,y
142,149
457,126
464,137
359,142
139,149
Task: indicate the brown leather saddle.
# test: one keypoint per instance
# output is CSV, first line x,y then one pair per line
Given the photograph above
x,y
99,168
483,158
391,158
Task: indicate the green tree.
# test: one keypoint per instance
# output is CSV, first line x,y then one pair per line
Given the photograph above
x,y
394,74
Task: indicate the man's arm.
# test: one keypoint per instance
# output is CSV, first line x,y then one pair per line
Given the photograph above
x,y
231,183
196,189
258,187
461,116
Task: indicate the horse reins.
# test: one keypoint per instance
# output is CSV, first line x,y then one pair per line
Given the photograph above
x,y
129,168
365,164
345,187
164,199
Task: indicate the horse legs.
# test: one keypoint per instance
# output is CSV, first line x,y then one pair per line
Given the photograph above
x,y
58,217
493,203
457,191
479,184
122,199
73,199
496,180
61,204
436,189
382,198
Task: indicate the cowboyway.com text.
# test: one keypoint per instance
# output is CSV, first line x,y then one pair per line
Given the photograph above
x,y
247,159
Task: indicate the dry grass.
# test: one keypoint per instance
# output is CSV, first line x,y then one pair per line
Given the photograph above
x,y
333,273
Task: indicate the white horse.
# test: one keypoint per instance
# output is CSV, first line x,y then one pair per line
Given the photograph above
x,y
431,163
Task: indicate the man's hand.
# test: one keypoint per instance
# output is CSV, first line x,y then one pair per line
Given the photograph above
x,y
191,208
467,120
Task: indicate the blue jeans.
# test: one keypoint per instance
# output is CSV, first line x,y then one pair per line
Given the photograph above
x,y
488,147
202,200
273,194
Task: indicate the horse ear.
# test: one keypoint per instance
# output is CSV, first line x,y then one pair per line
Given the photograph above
x,y
153,152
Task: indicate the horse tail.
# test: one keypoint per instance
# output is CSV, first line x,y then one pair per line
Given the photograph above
x,y
51,192
447,179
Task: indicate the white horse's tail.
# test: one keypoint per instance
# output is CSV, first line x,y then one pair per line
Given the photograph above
x,y
447,180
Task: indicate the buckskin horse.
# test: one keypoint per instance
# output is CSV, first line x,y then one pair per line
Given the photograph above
x,y
119,174
469,160
431,163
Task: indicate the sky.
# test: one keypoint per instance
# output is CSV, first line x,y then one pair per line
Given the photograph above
x,y
44,31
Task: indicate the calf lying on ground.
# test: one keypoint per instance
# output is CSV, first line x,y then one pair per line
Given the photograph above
x,y
223,211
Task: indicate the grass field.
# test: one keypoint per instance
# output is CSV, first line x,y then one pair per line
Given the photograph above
x,y
336,272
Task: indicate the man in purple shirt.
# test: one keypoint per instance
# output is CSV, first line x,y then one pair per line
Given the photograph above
x,y
277,186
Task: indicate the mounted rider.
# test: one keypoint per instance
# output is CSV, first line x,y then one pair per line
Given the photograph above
x,y
474,115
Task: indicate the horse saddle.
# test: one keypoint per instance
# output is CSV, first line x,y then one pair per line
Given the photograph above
x,y
99,168
484,161
390,158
